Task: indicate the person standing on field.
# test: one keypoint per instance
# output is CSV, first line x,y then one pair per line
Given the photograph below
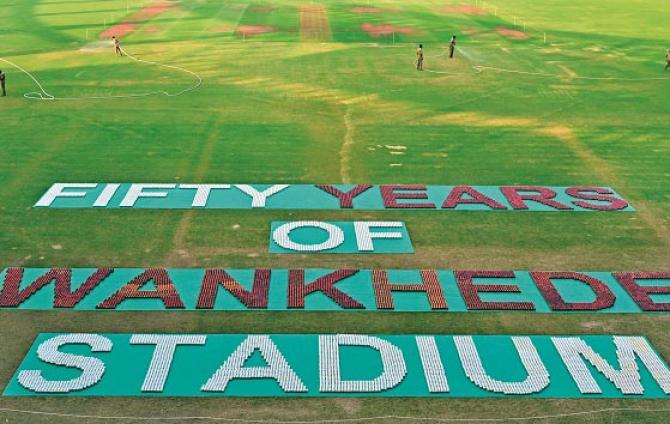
x,y
2,83
452,47
667,60
419,58
117,46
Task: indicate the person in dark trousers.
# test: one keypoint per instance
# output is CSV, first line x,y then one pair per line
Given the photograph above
x,y
2,83
452,47
419,58
667,60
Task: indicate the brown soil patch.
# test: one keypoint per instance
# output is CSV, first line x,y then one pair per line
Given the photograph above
x,y
131,24
314,24
345,150
385,29
481,120
511,33
181,255
261,9
152,11
568,71
251,30
222,28
119,30
350,406
463,9
361,10
560,132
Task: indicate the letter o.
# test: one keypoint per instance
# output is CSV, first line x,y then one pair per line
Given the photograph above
x,y
282,237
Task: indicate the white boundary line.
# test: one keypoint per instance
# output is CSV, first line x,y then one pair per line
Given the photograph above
x,y
481,68
45,95
478,69
329,421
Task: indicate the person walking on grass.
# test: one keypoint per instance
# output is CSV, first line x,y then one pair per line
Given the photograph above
x,y
117,46
2,83
452,47
667,60
419,58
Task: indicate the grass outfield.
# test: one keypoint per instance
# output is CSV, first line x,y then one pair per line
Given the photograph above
x,y
286,100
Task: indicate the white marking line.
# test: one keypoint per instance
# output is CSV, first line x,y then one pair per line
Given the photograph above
x,y
44,95
451,73
482,68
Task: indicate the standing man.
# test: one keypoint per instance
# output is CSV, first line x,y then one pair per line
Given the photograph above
x,y
2,83
117,46
667,60
452,47
419,58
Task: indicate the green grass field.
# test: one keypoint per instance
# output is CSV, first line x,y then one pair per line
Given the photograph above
x,y
320,104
